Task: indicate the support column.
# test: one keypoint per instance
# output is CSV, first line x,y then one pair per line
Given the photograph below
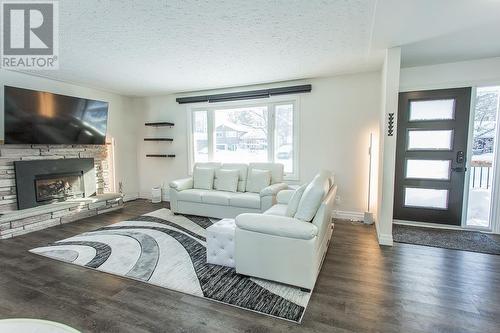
x,y
387,144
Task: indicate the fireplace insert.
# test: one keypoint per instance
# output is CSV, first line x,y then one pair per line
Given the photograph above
x,y
58,187
41,182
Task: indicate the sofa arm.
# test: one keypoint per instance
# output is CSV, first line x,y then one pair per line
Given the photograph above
x,y
273,189
281,226
182,184
284,196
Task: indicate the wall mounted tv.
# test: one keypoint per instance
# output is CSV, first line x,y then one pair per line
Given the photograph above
x,y
33,117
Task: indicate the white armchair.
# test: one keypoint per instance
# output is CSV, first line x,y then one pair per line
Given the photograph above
x,y
283,248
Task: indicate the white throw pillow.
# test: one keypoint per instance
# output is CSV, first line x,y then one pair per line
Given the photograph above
x,y
227,180
258,180
203,178
293,204
312,197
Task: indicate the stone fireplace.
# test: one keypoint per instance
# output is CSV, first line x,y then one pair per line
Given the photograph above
x,y
9,154
41,182
58,183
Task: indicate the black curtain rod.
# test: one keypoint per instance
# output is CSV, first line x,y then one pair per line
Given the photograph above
x,y
252,94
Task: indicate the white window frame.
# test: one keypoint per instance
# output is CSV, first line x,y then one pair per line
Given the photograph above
x,y
271,105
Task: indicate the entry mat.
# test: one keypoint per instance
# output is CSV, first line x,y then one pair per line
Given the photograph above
x,y
473,241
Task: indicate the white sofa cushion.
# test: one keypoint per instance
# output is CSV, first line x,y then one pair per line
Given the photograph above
x,y
294,201
245,200
226,180
273,190
277,170
312,196
192,195
258,180
243,169
284,196
282,226
278,209
212,165
216,198
203,178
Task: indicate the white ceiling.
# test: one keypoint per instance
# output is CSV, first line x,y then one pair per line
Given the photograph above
x,y
158,47
438,31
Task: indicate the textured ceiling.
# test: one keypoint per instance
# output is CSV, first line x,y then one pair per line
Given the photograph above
x,y
156,47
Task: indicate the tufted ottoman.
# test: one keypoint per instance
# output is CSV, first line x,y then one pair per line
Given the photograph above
x,y
220,243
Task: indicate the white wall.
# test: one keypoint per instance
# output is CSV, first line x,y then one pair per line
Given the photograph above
x,y
122,121
336,119
451,75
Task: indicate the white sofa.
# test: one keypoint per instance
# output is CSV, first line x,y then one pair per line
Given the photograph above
x,y
185,199
286,249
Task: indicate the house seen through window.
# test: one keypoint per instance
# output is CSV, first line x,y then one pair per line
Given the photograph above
x,y
254,133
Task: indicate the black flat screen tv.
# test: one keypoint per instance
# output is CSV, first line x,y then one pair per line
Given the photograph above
x,y
39,117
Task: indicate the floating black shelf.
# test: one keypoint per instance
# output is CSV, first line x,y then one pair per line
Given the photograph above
x,y
160,155
157,124
158,139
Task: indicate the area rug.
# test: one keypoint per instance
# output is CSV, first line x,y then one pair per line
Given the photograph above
x,y
449,239
169,251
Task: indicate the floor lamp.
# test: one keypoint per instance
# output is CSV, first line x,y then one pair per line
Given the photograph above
x,y
368,216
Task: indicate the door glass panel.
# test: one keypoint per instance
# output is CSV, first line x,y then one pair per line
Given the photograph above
x,y
428,169
430,140
442,109
426,198
483,155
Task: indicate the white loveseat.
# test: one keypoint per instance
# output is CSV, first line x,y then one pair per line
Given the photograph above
x,y
288,249
186,199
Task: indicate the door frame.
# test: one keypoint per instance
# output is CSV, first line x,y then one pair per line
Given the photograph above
x,y
454,212
495,225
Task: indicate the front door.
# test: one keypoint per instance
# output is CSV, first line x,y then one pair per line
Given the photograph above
x,y
430,155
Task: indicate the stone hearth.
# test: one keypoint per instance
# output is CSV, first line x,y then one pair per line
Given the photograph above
x,y
24,221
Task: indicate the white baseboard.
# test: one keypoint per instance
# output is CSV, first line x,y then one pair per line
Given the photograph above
x,y
147,195
130,196
347,215
384,239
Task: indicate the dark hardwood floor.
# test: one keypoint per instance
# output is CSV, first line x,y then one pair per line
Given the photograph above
x,y
361,288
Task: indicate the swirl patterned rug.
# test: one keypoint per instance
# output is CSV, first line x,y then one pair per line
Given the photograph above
x,y
169,251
